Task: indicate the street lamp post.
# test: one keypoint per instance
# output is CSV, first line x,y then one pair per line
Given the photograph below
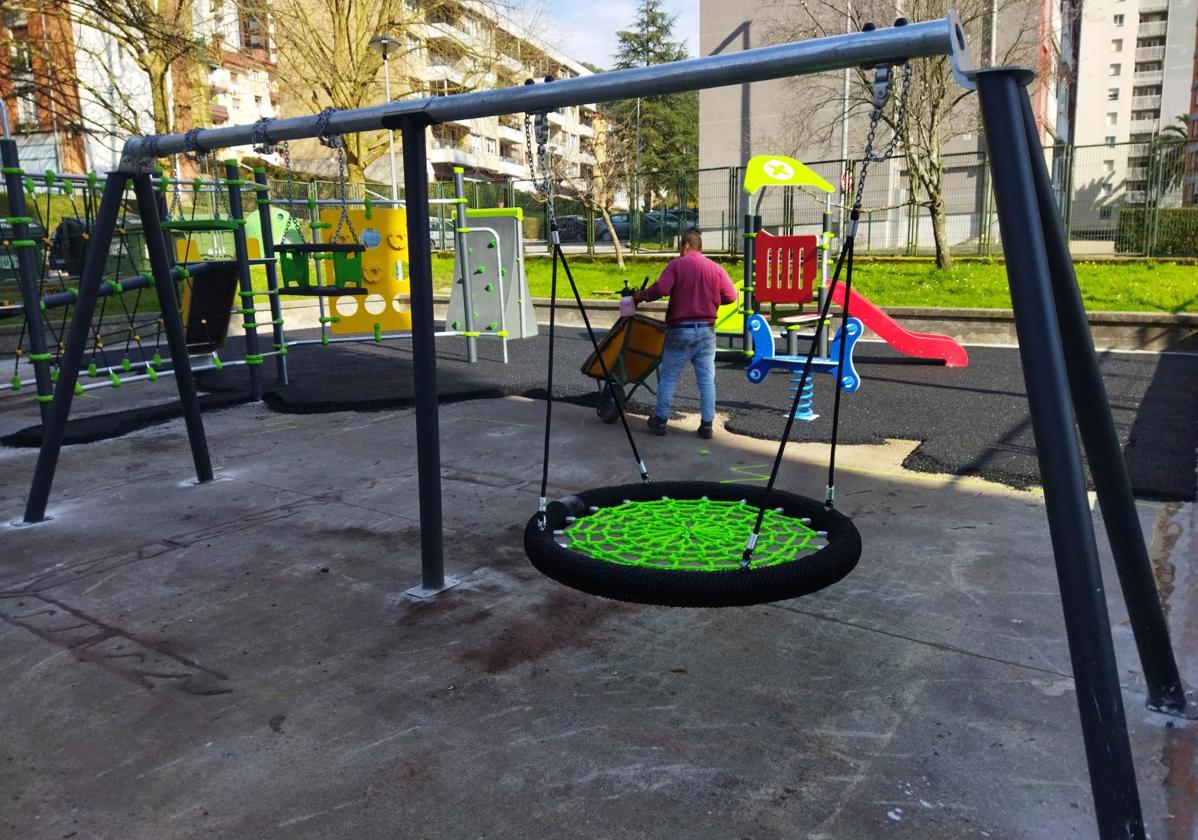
x,y
384,45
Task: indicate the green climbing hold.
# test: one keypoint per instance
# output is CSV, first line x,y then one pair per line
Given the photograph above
x,y
150,372
157,360
114,379
494,325
457,325
78,389
378,332
126,364
480,270
16,382
217,363
492,244
489,287
91,369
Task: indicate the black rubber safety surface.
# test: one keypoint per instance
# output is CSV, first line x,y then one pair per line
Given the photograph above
x,y
690,588
969,421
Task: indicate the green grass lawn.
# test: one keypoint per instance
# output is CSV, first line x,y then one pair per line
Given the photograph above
x,y
1106,286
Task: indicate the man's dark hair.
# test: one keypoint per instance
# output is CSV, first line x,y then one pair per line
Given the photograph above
x,y
694,239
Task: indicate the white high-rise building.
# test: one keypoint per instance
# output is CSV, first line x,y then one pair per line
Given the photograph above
x,y
1134,64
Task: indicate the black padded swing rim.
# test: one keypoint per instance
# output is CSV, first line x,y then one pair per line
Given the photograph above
x,y
689,588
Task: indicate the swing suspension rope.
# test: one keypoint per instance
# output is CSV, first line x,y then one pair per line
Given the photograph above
x,y
544,187
643,543
883,79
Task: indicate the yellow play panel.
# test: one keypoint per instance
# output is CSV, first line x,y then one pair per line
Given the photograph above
x,y
386,306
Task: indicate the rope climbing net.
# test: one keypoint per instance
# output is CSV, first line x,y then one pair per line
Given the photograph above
x,y
703,534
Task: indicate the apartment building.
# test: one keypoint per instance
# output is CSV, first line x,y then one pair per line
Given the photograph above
x,y
74,92
470,47
1134,79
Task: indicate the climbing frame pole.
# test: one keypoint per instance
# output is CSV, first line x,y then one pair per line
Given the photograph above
x,y
272,273
27,273
253,356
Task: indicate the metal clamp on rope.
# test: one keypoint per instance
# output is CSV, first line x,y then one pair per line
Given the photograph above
x,y
644,471
196,152
262,144
746,557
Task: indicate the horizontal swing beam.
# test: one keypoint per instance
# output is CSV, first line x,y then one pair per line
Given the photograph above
x,y
943,37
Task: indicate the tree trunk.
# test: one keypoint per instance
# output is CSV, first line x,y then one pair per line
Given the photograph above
x,y
611,231
944,259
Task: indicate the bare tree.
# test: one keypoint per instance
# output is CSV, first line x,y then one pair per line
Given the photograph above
x,y
599,190
441,47
938,110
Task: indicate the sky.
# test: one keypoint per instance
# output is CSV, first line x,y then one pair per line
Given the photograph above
x,y
586,31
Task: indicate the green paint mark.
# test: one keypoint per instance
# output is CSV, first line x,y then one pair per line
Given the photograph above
x,y
746,473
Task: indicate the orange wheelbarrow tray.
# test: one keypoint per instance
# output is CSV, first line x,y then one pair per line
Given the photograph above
x,y
631,351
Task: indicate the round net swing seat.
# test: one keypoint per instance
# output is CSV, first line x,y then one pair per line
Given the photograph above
x,y
679,544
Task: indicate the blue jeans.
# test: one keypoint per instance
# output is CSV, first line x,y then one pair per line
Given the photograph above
x,y
688,344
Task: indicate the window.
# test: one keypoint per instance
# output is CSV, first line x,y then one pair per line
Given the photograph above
x,y
1104,213
1108,167
1118,19
1110,140
1116,69
1112,94
491,149
1112,118
1107,189
1116,45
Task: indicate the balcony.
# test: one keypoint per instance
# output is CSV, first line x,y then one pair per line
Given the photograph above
x,y
442,72
1145,103
586,158
511,65
557,119
1144,126
1150,53
1137,173
443,32
454,156
1148,7
510,135
219,113
1136,196
1153,29
1148,77
585,130
513,168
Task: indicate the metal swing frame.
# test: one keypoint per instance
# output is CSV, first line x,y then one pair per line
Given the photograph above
x,y
1060,367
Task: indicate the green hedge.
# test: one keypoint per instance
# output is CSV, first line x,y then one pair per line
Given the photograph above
x,y
1176,232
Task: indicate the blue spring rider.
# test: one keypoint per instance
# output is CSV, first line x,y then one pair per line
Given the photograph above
x,y
765,359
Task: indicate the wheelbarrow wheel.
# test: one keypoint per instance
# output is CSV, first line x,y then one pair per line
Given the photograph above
x,y
611,398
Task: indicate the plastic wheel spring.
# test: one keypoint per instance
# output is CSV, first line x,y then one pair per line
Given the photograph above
x,y
805,410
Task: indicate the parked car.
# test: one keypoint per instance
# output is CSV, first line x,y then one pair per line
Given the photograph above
x,y
440,233
572,228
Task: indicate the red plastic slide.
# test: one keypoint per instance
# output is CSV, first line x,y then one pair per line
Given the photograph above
x,y
924,345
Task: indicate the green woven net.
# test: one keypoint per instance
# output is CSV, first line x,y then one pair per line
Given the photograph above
x,y
688,534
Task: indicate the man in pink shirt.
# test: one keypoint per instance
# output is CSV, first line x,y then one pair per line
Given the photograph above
x,y
697,287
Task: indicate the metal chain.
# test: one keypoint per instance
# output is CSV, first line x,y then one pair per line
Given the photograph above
x,y
883,78
291,222
335,141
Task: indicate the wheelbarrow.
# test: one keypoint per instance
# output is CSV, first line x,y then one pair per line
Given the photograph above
x,y
631,351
